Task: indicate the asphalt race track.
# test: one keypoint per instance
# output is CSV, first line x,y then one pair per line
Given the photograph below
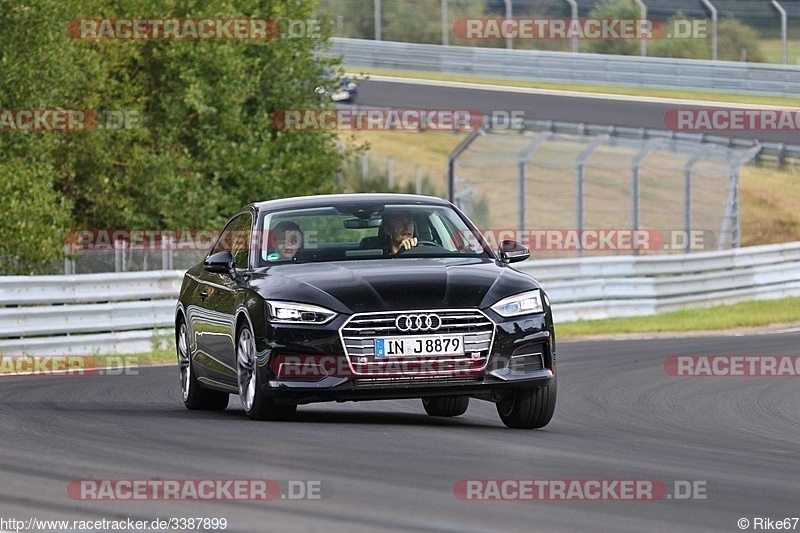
x,y
619,111
387,466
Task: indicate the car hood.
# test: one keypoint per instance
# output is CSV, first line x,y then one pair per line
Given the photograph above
x,y
393,284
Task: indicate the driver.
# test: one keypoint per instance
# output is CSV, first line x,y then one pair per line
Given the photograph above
x,y
398,229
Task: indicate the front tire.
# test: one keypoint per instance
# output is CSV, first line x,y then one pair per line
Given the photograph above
x,y
195,397
256,405
446,405
528,408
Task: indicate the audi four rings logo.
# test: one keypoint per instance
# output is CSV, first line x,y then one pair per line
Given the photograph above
x,y
418,322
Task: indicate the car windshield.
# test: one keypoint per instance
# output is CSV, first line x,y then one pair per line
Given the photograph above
x,y
358,232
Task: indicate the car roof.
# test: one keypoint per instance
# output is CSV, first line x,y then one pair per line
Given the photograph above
x,y
322,200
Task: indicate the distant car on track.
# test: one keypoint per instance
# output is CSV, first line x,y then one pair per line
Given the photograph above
x,y
364,297
345,90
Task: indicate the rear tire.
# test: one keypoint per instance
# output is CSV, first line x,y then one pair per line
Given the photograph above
x,y
195,397
446,405
528,408
256,405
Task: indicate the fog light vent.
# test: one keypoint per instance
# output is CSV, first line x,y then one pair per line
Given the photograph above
x,y
524,363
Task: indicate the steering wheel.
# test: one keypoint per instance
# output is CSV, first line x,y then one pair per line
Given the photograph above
x,y
421,243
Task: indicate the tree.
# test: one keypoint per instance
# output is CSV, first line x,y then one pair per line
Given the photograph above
x,y
689,48
735,35
615,9
207,146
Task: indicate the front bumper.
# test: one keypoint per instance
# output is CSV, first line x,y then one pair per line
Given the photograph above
x,y
299,365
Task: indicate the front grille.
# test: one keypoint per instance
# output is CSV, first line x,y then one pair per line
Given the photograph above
x,y
359,333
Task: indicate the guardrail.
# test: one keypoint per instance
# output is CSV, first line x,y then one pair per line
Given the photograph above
x,y
772,151
633,71
623,286
128,312
87,313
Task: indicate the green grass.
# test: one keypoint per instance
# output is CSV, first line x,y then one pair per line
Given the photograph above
x,y
773,51
9,365
746,314
580,87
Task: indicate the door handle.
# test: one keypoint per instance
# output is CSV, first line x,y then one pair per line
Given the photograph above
x,y
204,295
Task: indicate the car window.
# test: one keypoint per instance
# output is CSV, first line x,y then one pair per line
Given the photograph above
x,y
350,232
235,238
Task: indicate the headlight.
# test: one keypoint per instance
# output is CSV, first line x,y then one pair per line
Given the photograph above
x,y
522,304
294,313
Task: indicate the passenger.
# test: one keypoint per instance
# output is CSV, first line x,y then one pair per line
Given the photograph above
x,y
288,239
398,233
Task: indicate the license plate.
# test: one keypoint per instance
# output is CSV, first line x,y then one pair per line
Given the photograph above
x,y
419,346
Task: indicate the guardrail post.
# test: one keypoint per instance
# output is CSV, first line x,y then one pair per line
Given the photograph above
x,y
390,172
418,172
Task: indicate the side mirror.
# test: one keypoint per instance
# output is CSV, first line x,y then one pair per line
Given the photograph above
x,y
220,263
513,252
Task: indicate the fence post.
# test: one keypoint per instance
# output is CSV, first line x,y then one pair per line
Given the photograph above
x,y
713,10
574,8
418,171
365,166
445,28
377,20
69,260
453,157
390,172
783,31
509,41
579,164
648,147
119,255
522,158
642,22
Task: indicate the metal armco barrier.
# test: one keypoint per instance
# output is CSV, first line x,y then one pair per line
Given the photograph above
x,y
632,71
125,312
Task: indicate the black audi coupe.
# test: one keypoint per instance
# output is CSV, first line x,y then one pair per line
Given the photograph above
x,y
364,297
